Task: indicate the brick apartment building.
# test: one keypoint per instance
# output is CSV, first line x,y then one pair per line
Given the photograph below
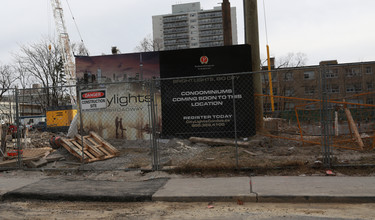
x,y
342,81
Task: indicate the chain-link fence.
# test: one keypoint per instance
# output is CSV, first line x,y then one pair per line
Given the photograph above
x,y
24,123
312,116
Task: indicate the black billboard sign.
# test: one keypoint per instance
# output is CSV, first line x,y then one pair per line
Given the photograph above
x,y
198,95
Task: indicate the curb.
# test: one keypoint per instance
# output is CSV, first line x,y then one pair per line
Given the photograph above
x,y
16,196
315,199
243,198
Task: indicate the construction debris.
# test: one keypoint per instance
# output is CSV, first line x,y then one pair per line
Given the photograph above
x,y
28,156
36,163
94,148
250,153
216,141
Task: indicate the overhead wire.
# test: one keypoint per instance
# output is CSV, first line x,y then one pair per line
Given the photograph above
x,y
49,23
74,20
268,59
265,21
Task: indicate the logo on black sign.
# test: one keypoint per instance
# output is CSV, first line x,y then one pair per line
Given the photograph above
x,y
204,59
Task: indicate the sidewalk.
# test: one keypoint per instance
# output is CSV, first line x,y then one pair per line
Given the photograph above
x,y
270,189
315,189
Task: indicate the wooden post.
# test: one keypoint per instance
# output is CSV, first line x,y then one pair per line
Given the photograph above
x,y
354,128
252,38
227,22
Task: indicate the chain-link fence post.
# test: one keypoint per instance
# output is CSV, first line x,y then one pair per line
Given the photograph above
x,y
80,124
18,141
325,119
235,120
154,144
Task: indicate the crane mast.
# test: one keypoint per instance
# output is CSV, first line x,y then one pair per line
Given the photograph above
x,y
66,51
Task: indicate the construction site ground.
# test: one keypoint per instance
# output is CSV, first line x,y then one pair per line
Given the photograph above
x,y
265,156
262,156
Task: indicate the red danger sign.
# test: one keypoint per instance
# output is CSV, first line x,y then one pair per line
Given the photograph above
x,y
93,99
93,95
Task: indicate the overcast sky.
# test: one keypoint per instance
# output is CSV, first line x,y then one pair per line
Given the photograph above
x,y
322,29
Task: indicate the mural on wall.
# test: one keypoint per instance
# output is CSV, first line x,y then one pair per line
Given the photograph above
x,y
128,93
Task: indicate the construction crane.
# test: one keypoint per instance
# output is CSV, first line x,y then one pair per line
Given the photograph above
x,y
66,51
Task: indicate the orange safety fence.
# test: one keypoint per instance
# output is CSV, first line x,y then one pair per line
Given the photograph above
x,y
336,142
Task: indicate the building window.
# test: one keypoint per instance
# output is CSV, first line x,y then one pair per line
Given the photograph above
x,y
309,75
192,15
370,86
266,91
351,72
266,80
309,90
333,88
369,101
332,73
288,76
354,88
368,70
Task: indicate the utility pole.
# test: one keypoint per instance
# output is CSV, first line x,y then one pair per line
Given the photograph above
x,y
252,38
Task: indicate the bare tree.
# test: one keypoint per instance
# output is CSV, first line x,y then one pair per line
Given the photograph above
x,y
7,79
148,44
292,60
42,63
79,49
284,82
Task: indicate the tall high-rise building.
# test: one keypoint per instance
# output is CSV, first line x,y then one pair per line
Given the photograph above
x,y
190,27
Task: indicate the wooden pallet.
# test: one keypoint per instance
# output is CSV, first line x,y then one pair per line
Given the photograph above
x,y
95,148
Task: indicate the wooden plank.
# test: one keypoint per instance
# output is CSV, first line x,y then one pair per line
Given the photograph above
x,y
107,145
248,152
93,150
73,152
79,148
13,162
72,149
95,147
216,141
92,141
99,159
354,128
77,145
110,148
36,152
89,154
104,151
